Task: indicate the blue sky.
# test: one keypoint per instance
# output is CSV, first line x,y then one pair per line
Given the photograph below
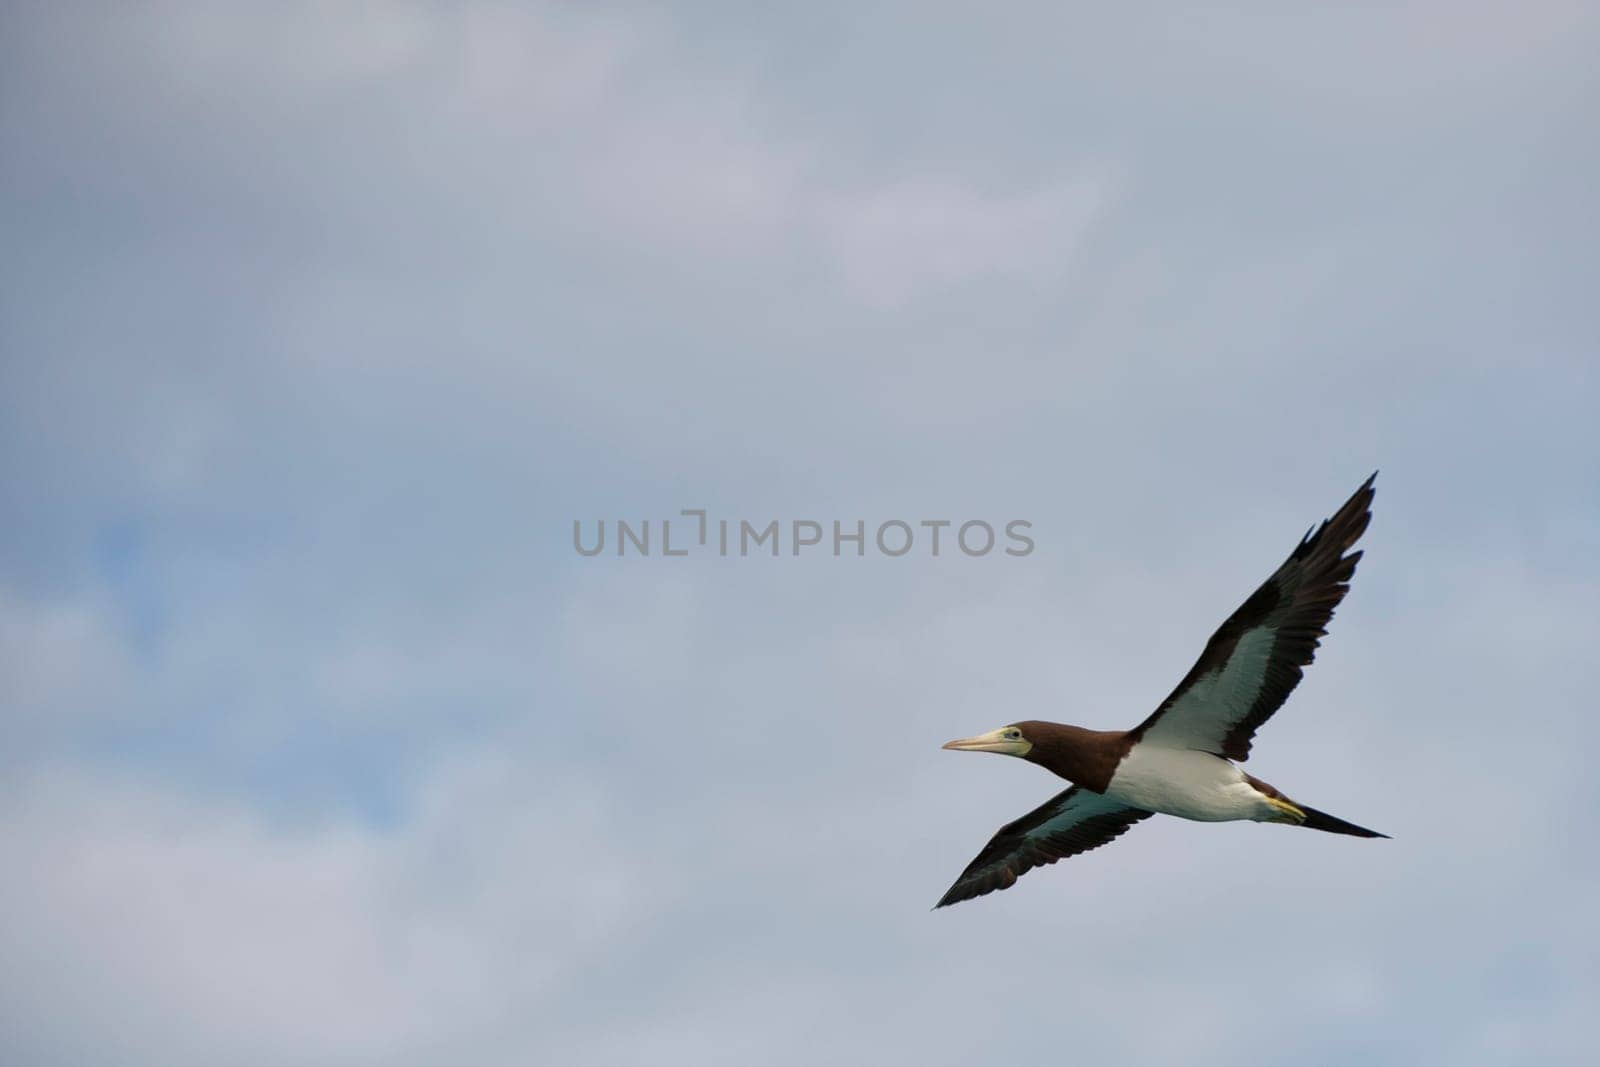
x,y
321,323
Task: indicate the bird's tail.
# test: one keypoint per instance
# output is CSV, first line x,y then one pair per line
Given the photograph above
x,y
1321,820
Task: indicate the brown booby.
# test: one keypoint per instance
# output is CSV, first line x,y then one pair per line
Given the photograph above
x,y
1181,760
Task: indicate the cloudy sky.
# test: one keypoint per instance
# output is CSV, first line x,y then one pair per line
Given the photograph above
x,y
321,323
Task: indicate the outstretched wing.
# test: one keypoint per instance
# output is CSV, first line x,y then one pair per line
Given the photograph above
x,y
1254,660
1068,823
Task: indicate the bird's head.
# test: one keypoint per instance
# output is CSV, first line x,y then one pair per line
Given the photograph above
x,y
1010,740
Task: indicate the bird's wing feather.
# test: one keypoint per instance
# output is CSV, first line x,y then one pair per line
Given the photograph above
x,y
1255,659
1070,822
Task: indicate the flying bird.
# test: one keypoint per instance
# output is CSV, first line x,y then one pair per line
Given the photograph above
x,y
1183,760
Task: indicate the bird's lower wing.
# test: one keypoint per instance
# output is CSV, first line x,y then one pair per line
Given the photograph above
x,y
1071,822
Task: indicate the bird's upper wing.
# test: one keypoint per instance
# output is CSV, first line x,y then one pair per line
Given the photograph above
x,y
1068,823
1254,660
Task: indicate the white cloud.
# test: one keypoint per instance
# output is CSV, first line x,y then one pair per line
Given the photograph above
x,y
61,663
928,235
325,943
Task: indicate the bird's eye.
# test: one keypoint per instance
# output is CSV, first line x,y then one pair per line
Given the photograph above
x,y
1013,734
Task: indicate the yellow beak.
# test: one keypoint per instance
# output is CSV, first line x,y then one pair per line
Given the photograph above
x,y
993,741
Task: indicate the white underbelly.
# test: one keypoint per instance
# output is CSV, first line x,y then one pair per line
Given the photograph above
x,y
1188,784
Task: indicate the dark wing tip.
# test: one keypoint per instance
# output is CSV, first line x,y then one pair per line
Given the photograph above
x,y
959,892
1341,530
976,880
